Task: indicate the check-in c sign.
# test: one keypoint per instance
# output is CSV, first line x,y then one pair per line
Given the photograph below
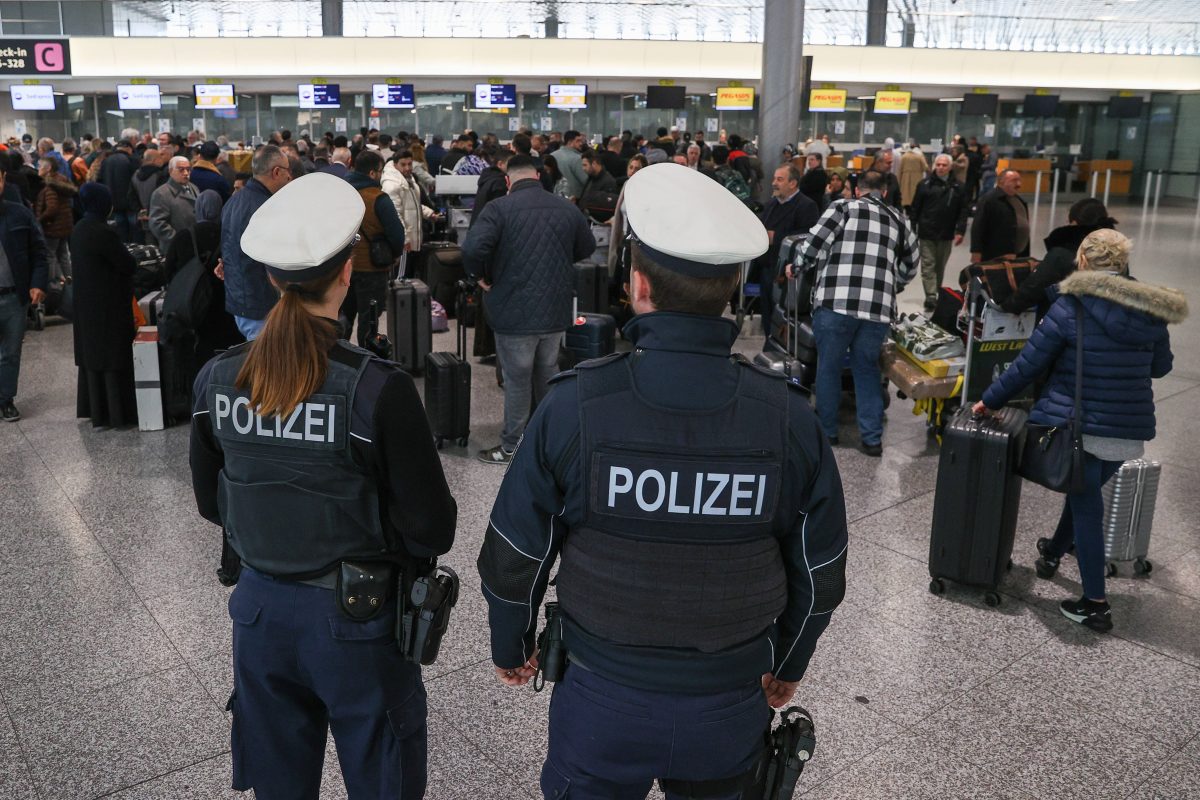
x,y
49,57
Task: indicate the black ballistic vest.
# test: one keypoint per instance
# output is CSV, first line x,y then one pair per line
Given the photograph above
x,y
293,499
676,548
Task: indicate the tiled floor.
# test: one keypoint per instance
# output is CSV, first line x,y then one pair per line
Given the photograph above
x,y
114,653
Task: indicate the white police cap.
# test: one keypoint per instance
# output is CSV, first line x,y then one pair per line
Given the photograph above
x,y
306,228
686,222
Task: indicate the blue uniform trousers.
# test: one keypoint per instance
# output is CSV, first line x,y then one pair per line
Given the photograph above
x,y
609,741
301,666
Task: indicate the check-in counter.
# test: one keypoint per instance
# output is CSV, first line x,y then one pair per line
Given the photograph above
x,y
1028,167
1122,174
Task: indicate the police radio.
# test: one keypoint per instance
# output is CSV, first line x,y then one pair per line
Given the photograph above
x,y
552,655
376,342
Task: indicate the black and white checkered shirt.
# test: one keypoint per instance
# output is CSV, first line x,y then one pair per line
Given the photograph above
x,y
865,254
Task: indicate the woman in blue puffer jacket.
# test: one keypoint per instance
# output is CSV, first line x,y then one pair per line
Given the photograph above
x,y
1125,345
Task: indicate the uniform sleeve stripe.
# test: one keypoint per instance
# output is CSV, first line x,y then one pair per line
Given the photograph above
x,y
198,413
812,593
499,532
830,561
361,438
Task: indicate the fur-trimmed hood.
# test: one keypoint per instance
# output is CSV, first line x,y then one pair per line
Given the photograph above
x,y
1169,305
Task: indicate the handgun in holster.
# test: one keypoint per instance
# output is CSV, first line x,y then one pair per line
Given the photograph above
x,y
790,747
786,749
425,615
552,653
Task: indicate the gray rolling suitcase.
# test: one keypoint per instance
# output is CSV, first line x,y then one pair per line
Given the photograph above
x,y
1129,514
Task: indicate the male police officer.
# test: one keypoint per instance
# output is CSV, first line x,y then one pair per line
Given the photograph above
x,y
698,514
322,497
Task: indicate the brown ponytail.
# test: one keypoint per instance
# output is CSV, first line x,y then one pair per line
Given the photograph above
x,y
288,360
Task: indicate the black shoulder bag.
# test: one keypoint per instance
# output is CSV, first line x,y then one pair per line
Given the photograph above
x,y
1053,456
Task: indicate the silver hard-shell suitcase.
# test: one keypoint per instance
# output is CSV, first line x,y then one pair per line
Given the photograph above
x,y
1129,514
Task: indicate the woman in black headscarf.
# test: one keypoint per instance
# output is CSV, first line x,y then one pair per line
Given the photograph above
x,y
217,329
104,326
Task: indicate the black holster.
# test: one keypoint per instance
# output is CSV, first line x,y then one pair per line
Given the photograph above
x,y
786,750
552,653
230,568
424,612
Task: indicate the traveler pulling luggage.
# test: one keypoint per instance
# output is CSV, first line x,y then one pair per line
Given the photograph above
x,y
977,496
448,385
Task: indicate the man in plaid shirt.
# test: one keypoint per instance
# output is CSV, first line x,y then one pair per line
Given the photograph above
x,y
868,254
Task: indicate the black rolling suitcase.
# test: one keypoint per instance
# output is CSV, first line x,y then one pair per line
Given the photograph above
x,y
591,287
448,388
409,323
977,497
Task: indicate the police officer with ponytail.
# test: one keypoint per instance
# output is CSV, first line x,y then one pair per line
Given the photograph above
x,y
317,460
695,512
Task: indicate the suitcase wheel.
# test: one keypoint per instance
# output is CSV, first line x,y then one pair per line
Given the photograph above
x,y
937,586
461,441
439,442
1110,570
992,599
1142,566
1008,567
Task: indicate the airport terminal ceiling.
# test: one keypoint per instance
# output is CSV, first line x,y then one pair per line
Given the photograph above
x,y
1152,27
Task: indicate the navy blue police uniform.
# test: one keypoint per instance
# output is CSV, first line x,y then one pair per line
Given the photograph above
x,y
349,476
696,514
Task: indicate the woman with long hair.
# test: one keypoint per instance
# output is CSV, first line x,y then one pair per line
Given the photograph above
x,y
1125,344
317,459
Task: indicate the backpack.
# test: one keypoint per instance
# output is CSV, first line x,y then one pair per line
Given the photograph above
x,y
732,180
186,304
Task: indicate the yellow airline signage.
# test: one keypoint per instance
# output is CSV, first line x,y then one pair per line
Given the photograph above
x,y
735,98
892,102
827,100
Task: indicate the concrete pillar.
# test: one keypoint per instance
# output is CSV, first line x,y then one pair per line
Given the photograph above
x,y
331,17
780,101
877,23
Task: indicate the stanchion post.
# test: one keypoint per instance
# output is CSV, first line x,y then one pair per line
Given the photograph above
x,y
1107,184
1095,177
1157,194
1146,197
1053,195
1037,200
1196,223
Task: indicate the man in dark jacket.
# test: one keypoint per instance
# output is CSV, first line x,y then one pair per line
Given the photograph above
x,y
600,190
493,183
1001,225
611,156
434,155
788,212
381,222
523,249
249,295
24,269
116,173
939,213
205,173
1086,215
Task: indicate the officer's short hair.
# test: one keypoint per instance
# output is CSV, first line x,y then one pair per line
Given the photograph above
x,y
520,163
673,291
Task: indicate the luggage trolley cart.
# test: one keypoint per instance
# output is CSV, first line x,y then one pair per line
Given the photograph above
x,y
746,290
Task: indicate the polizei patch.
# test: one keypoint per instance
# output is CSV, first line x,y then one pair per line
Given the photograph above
x,y
318,423
711,490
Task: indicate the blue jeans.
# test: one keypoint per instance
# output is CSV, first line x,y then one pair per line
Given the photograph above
x,y
1081,521
250,328
609,741
836,333
128,227
12,331
528,363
